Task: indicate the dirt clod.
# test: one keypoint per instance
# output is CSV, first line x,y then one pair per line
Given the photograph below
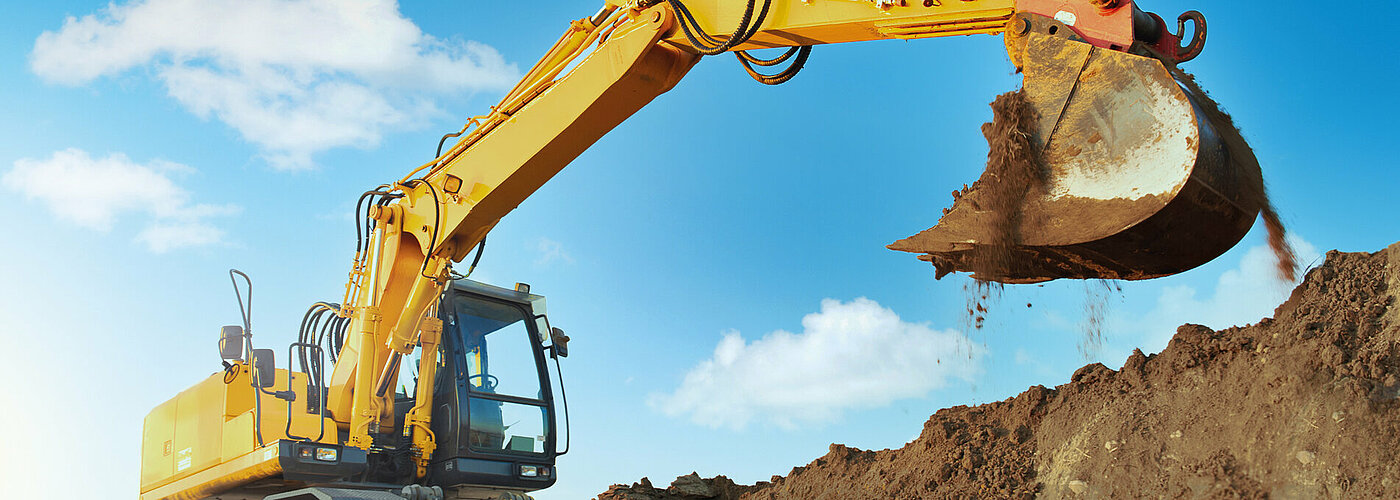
x,y
1305,404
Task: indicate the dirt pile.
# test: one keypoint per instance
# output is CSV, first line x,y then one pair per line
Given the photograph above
x,y
687,487
1302,405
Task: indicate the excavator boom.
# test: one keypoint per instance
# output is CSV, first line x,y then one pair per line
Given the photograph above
x,y
1102,167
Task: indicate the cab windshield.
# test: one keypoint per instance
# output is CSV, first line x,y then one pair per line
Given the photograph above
x,y
507,412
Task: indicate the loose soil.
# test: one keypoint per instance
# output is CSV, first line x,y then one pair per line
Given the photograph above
x,y
1013,169
1302,405
1096,304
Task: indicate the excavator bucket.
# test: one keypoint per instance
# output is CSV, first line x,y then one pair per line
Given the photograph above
x,y
1134,179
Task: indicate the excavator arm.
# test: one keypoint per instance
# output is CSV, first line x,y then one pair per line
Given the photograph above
x,y
536,130
631,52
1135,179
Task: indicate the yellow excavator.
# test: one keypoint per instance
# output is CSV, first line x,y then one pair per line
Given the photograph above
x,y
1137,181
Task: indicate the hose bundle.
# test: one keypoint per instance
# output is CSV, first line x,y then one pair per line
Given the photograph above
x,y
748,26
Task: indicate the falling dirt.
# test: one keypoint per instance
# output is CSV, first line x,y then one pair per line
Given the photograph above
x,y
1305,404
1278,242
1013,169
1234,141
981,297
1096,304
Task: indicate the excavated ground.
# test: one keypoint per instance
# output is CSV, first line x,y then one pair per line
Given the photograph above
x,y
1302,405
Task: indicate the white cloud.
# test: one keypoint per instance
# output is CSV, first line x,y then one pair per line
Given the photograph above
x,y
1242,295
294,77
850,355
162,237
552,251
93,193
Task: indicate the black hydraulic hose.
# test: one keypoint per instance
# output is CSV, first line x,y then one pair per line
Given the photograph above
x,y
704,48
339,339
687,20
802,53
762,14
681,9
480,248
437,221
315,385
308,320
384,197
314,335
359,235
745,56
708,45
444,141
327,336
319,330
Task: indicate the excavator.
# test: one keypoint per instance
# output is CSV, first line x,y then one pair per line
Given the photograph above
x,y
1139,179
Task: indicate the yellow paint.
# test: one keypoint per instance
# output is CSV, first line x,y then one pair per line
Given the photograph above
x,y
252,466
536,130
212,423
203,441
795,22
419,418
158,444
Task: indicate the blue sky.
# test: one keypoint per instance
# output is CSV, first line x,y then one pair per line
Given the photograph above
x,y
732,305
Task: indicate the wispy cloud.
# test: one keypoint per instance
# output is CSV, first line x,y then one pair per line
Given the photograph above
x,y
1243,295
551,252
850,355
294,77
94,193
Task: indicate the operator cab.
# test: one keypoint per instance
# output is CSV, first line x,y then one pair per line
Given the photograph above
x,y
494,415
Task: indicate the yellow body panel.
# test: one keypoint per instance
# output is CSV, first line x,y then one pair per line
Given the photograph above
x,y
158,444
252,466
197,429
211,423
238,437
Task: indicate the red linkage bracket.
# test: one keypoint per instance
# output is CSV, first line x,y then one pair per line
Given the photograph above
x,y
1110,28
1118,24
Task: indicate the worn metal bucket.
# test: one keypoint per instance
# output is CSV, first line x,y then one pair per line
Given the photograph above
x,y
1138,182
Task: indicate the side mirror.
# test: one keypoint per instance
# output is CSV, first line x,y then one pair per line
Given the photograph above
x,y
264,368
560,347
231,343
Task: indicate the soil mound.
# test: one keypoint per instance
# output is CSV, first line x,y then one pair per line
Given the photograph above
x,y
1302,405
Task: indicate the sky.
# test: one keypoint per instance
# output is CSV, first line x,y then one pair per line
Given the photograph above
x,y
718,259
